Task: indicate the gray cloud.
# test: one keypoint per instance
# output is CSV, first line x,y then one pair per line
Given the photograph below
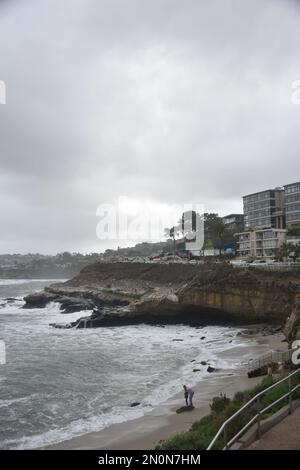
x,y
167,101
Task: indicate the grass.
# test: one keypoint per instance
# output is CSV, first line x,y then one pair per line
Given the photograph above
x,y
202,432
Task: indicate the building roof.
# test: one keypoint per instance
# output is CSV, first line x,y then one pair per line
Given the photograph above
x,y
265,191
232,215
291,184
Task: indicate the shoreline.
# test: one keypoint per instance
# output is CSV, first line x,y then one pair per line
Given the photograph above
x,y
162,423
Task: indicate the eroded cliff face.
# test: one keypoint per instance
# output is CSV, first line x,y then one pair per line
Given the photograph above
x,y
292,326
160,293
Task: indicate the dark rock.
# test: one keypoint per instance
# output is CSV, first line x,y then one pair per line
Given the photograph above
x,y
135,403
203,363
210,369
96,313
75,304
257,372
196,370
184,408
177,339
193,360
203,337
38,299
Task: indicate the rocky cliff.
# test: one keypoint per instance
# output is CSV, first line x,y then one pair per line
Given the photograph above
x,y
122,293
292,325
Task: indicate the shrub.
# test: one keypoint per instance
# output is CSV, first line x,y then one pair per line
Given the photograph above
x,y
185,441
239,398
219,403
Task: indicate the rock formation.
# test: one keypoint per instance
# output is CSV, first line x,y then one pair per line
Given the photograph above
x,y
292,326
124,293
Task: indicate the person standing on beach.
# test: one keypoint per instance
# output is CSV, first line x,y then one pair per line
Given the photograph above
x,y
188,395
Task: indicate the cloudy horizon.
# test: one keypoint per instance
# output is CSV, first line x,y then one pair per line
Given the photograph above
x,y
163,102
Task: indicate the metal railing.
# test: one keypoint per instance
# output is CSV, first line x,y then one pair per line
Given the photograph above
x,y
280,266
255,402
271,357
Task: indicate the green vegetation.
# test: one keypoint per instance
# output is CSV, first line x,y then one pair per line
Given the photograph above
x,y
294,231
289,250
220,403
203,431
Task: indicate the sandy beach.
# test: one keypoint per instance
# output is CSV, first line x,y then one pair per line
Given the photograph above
x,y
163,422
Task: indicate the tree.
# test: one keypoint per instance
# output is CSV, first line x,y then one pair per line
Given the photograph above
x,y
294,231
295,254
172,233
214,230
190,223
289,250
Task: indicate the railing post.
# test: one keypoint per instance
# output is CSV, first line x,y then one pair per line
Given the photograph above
x,y
225,437
290,396
258,418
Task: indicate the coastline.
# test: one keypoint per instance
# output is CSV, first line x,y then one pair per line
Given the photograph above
x,y
162,423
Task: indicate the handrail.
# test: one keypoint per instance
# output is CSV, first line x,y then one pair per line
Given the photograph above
x,y
257,417
273,356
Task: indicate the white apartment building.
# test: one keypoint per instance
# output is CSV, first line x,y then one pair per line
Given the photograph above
x,y
263,244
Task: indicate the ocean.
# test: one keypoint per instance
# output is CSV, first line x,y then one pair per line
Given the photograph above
x,y
61,383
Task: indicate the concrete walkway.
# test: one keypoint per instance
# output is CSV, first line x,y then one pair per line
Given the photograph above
x,y
283,436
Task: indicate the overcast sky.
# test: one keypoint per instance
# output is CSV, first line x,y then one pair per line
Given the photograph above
x,y
166,101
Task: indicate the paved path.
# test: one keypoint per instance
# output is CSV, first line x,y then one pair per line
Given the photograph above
x,y
283,436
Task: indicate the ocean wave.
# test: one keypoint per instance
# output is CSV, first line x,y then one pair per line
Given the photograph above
x,y
11,282
74,429
13,401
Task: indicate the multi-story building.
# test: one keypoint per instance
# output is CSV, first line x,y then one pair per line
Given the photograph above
x,y
264,209
233,220
260,243
266,214
264,222
292,205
